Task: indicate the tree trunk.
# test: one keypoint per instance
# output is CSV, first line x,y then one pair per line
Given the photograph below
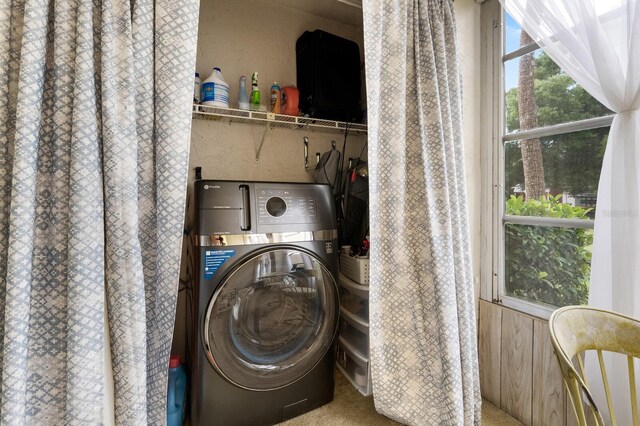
x,y
534,186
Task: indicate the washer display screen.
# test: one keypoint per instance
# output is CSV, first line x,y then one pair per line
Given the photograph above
x,y
276,206
292,205
272,319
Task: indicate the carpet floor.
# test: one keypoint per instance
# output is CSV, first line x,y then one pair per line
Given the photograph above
x,y
349,407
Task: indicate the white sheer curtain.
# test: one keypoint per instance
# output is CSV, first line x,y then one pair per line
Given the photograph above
x,y
597,43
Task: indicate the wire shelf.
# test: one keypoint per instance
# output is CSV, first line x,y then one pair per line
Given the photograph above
x,y
230,115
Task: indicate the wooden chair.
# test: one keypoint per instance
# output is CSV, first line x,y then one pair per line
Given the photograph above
x,y
576,329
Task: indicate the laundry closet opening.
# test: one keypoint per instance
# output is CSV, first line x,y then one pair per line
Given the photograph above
x,y
246,255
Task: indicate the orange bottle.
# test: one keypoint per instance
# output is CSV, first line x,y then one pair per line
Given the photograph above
x,y
275,98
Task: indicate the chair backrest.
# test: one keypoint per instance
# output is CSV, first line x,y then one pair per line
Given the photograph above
x,y
576,329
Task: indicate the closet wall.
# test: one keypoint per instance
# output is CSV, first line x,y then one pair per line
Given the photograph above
x,y
242,36
245,36
468,25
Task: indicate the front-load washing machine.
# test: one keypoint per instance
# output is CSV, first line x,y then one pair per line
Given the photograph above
x,y
267,302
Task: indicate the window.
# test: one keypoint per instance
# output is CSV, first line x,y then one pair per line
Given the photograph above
x,y
547,139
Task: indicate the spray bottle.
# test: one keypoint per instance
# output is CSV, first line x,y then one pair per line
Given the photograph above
x,y
255,93
243,99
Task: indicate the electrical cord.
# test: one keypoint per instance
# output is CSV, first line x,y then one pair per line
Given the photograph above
x,y
363,148
344,147
324,169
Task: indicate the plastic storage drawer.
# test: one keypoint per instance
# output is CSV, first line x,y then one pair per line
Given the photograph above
x,y
357,339
355,305
351,286
354,366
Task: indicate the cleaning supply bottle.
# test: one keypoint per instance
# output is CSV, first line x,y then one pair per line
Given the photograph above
x,y
364,249
243,99
215,91
176,392
255,93
275,98
196,89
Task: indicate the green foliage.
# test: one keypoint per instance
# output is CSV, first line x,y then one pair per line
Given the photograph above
x,y
572,162
547,264
545,67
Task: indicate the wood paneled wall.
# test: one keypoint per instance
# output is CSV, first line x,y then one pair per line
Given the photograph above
x,y
518,369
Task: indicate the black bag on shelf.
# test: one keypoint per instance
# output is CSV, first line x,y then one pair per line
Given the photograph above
x,y
328,74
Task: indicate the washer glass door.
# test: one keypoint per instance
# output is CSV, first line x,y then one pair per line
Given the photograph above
x,y
272,319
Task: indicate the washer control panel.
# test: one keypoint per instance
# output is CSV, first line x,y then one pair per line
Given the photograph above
x,y
276,206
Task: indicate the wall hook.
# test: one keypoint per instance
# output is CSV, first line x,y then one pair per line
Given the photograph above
x,y
306,152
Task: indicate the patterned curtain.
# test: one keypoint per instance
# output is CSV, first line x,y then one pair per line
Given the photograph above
x,y
423,333
94,137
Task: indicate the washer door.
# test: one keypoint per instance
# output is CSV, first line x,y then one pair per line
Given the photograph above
x,y
272,319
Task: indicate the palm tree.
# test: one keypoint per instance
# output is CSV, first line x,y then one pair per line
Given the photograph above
x,y
530,148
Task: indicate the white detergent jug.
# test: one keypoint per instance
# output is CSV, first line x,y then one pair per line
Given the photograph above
x,y
215,91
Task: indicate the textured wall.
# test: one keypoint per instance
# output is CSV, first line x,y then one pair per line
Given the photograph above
x,y
228,151
468,20
240,37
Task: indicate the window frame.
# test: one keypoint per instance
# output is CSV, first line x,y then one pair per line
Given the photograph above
x,y
493,136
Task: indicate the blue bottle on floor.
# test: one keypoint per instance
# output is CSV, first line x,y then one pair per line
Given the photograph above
x,y
176,392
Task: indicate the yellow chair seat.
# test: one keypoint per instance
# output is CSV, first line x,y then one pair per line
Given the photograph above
x,y
576,329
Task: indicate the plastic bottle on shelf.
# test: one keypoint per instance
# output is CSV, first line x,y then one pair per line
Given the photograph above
x,y
215,91
243,99
255,93
196,89
176,392
275,98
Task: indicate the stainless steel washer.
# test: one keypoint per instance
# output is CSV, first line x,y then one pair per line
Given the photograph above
x,y
267,301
